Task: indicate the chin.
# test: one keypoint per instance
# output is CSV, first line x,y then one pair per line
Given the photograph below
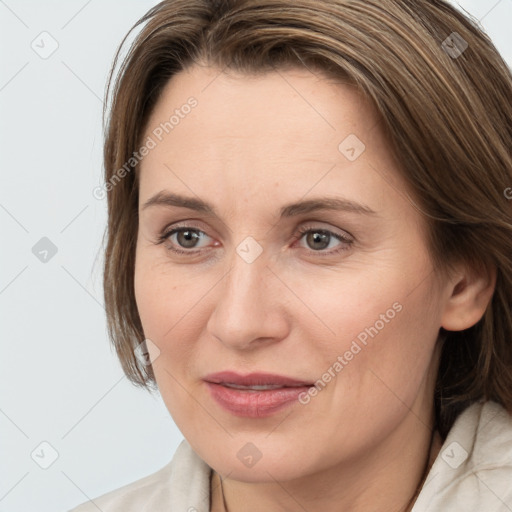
x,y
262,472
260,461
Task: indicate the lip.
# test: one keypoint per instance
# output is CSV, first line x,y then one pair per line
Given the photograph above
x,y
254,403
254,379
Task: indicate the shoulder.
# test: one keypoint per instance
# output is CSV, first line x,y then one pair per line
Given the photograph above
x,y
182,484
473,471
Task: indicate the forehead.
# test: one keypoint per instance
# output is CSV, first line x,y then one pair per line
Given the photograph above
x,y
292,130
275,108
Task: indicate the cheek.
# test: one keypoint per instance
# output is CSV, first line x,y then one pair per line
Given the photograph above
x,y
353,305
375,333
164,310
162,299
405,357
170,308
388,352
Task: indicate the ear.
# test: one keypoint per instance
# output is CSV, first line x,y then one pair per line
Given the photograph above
x,y
469,295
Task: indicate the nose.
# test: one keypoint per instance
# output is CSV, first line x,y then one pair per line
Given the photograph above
x,y
249,306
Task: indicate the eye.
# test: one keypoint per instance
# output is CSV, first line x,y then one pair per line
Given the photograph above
x,y
185,237
319,239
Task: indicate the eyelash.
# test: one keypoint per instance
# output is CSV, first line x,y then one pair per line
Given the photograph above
x,y
162,237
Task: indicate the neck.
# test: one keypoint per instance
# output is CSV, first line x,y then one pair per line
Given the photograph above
x,y
389,476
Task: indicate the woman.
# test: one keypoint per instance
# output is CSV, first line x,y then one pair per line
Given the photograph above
x,y
310,255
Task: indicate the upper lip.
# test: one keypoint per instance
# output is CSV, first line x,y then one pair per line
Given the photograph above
x,y
254,379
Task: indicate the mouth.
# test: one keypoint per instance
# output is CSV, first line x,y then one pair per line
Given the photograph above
x,y
256,395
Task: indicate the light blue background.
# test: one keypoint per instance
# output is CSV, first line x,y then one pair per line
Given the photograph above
x,y
59,380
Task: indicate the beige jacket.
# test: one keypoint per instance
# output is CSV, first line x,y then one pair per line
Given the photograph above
x,y
472,473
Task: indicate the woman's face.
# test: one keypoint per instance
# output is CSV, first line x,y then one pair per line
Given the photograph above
x,y
268,281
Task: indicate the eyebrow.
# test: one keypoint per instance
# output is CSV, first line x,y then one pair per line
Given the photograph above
x,y
164,198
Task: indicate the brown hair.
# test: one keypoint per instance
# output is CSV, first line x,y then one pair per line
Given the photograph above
x,y
446,108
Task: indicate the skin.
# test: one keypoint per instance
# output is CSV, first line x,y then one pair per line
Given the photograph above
x,y
251,145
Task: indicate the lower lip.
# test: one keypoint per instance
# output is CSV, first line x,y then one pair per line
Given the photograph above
x,y
254,404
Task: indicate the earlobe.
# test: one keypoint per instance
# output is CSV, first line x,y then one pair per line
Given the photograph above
x,y
469,297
